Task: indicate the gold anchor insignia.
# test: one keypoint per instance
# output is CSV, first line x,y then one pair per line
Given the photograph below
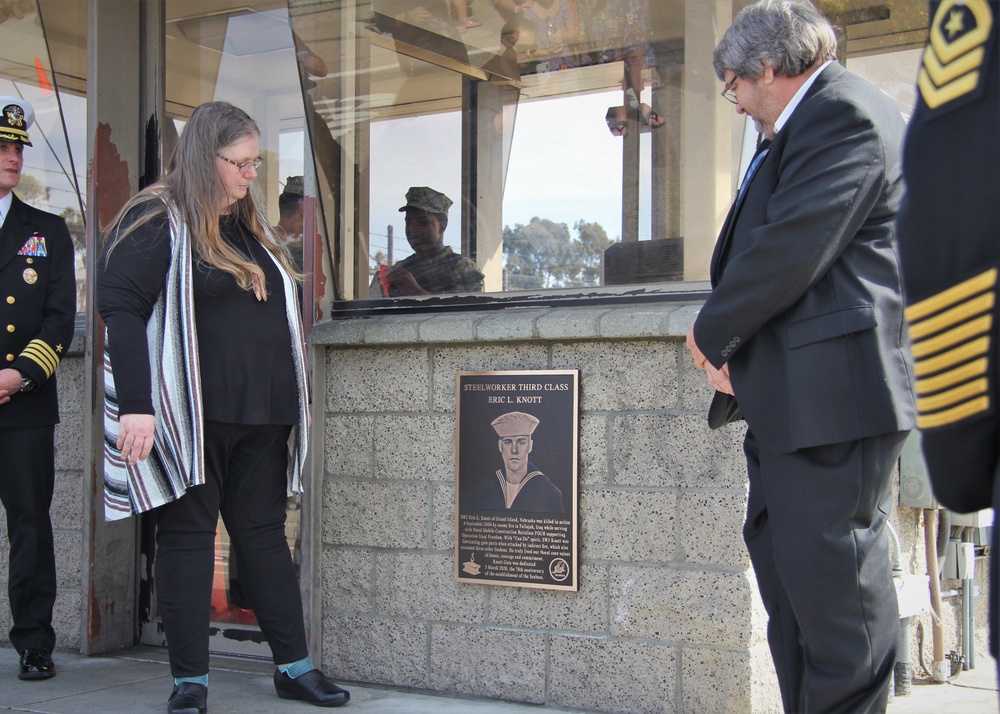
x,y
955,53
30,276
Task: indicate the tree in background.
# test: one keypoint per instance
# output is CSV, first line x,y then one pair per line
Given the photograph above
x,y
543,254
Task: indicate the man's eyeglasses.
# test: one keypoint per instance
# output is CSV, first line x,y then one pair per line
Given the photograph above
x,y
242,166
727,92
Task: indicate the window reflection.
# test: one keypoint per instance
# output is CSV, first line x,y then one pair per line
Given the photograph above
x,y
50,179
583,142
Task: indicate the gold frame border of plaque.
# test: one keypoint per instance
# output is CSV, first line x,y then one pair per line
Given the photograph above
x,y
516,478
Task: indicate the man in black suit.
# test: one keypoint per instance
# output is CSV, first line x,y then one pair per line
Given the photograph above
x,y
37,314
805,327
949,235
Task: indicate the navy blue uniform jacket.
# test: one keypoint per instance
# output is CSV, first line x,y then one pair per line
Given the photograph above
x,y
37,309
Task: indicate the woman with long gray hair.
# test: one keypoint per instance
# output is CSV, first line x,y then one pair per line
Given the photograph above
x,y
206,397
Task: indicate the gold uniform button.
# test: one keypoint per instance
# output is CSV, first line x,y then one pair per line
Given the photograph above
x,y
10,358
10,328
30,261
10,300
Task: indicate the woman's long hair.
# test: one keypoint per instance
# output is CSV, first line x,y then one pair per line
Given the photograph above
x,y
192,183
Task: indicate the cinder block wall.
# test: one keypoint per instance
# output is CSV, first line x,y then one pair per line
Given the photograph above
x,y
667,617
66,511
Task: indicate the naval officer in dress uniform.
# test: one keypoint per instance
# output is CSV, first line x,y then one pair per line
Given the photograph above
x,y
37,313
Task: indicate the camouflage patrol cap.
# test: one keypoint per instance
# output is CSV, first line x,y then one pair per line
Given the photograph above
x,y
16,115
427,199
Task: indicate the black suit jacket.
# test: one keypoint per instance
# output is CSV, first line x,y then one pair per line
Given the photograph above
x,y
37,309
806,307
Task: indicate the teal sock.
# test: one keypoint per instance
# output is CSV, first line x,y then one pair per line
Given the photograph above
x,y
202,680
297,669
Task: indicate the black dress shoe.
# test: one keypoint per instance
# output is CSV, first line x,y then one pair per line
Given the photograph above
x,y
36,664
188,698
312,687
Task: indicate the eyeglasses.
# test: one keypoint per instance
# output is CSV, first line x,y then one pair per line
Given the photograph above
x,y
242,166
727,92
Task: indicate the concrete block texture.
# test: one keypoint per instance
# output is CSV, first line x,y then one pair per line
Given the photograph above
x,y
415,447
67,500
613,675
377,380
594,464
348,580
443,516
450,360
486,662
349,446
628,526
622,376
717,681
531,608
65,620
69,444
677,451
455,327
681,605
362,649
508,326
422,586
376,515
72,383
705,528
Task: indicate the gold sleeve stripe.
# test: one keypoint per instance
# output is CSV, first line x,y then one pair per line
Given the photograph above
x,y
46,358
952,396
941,74
954,294
953,337
950,379
953,357
931,421
935,97
952,317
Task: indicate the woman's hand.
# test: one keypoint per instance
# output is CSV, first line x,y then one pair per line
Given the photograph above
x,y
135,436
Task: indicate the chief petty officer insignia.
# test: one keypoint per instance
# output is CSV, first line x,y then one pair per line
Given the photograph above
x,y
960,43
950,334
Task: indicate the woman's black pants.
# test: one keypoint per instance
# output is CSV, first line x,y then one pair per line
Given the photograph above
x,y
246,482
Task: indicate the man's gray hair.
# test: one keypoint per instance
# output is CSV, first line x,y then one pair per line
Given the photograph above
x,y
790,35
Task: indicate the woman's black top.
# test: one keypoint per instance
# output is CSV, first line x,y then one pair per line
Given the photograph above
x,y
244,345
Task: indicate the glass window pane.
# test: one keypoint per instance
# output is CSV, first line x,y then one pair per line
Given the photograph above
x,y
582,143
52,178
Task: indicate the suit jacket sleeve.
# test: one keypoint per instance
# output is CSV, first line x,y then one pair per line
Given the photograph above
x,y
827,173
47,347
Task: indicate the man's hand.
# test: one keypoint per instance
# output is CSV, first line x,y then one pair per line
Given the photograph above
x,y
699,358
718,378
402,282
10,384
135,436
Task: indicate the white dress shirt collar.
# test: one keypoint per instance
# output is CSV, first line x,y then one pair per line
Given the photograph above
x,y
783,117
5,204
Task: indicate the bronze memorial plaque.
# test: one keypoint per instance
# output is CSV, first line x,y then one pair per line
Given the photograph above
x,y
516,449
